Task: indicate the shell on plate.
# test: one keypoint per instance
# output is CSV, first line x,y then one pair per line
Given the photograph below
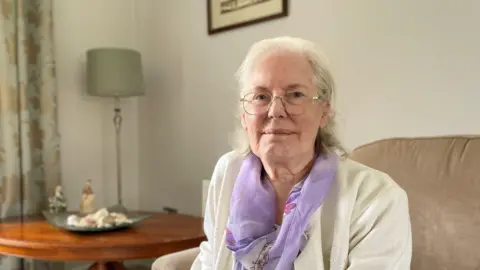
x,y
99,219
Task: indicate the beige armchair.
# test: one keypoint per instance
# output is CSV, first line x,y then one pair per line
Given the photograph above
x,y
176,261
442,178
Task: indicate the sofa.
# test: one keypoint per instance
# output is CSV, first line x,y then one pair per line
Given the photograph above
x,y
441,176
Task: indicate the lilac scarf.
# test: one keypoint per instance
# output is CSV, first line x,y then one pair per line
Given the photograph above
x,y
251,232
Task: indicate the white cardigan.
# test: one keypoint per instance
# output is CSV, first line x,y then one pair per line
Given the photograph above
x,y
363,223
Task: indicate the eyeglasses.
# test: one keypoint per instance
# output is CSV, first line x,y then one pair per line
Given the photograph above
x,y
294,102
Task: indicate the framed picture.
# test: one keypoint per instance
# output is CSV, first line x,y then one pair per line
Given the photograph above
x,y
225,15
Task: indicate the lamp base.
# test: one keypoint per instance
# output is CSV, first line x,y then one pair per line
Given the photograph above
x,y
117,122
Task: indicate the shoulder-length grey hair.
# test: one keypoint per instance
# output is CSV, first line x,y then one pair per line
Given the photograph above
x,y
326,140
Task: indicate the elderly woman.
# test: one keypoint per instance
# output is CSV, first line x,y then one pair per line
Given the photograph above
x,y
288,197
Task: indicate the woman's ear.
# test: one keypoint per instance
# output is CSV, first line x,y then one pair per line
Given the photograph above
x,y
244,122
327,114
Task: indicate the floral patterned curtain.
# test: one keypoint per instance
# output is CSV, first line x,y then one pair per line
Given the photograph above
x,y
29,140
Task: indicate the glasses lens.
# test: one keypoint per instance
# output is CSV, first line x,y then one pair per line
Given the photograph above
x,y
296,102
259,103
256,103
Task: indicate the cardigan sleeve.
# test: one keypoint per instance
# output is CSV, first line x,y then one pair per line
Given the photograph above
x,y
206,258
380,235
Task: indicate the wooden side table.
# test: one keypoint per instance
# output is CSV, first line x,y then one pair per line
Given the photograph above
x,y
159,235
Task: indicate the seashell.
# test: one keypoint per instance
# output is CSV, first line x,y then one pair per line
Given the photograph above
x,y
100,213
73,220
100,219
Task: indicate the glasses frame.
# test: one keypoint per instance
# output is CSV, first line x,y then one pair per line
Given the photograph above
x,y
243,100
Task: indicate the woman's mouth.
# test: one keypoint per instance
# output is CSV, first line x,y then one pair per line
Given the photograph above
x,y
281,132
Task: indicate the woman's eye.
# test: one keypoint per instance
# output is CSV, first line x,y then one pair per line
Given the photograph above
x,y
261,97
296,94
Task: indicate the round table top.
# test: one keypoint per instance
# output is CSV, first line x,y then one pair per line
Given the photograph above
x,y
156,236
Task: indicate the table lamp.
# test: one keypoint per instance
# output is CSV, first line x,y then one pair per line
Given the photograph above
x,y
115,73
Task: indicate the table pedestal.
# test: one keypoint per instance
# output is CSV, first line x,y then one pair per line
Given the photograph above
x,y
107,266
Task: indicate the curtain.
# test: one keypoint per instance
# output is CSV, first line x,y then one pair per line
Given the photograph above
x,y
29,140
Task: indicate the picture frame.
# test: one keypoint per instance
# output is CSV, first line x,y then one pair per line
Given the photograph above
x,y
224,15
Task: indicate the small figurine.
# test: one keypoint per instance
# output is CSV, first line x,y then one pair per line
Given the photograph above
x,y
87,204
57,203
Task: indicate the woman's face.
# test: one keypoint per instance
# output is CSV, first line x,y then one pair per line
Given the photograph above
x,y
280,132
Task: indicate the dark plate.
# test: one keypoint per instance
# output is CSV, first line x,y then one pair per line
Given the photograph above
x,y
60,220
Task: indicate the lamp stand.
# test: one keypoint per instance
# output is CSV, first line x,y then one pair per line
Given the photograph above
x,y
117,122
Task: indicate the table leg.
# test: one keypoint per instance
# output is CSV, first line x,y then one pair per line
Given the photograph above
x,y
107,266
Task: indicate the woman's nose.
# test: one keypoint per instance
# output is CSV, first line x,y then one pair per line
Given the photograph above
x,y
277,108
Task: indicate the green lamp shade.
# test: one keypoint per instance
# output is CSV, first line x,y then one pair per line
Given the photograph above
x,y
114,72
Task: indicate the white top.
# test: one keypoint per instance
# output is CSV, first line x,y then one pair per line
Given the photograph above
x,y
363,223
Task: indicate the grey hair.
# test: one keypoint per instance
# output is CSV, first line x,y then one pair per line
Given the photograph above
x,y
326,140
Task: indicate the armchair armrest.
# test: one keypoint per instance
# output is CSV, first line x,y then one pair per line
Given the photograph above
x,y
181,260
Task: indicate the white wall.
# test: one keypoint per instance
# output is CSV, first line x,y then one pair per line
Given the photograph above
x,y
159,32
403,68
85,123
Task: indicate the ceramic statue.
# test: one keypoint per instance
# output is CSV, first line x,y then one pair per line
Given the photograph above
x,y
87,204
57,203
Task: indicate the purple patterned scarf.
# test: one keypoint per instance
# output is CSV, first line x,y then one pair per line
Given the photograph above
x,y
251,232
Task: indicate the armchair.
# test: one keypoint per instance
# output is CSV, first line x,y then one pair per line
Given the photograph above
x,y
441,177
